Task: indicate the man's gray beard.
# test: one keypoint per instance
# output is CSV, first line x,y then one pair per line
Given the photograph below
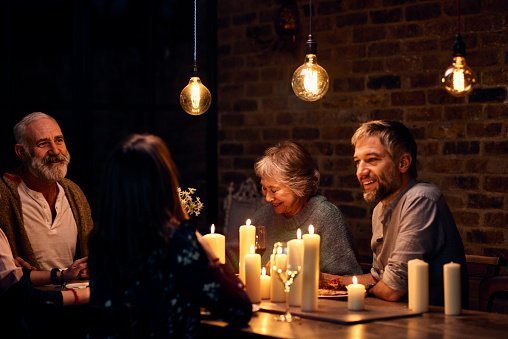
x,y
49,172
383,191
376,195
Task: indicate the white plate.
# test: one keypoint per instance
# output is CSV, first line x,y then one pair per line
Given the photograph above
x,y
78,285
255,308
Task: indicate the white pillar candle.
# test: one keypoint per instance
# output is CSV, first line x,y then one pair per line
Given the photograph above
x,y
355,296
418,285
452,288
253,275
310,281
265,284
217,243
295,259
277,293
247,239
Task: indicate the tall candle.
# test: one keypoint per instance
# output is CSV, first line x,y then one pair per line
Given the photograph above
x,y
253,276
295,259
355,295
310,281
247,239
265,284
418,285
217,243
277,293
452,288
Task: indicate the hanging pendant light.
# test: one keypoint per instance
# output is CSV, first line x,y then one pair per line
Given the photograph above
x,y
195,98
310,81
458,79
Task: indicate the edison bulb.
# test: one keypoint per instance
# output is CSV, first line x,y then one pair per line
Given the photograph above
x,y
458,79
195,98
310,81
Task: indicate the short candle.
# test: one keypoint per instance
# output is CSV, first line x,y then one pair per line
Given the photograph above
x,y
217,243
355,295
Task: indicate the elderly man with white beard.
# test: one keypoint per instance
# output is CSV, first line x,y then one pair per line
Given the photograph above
x,y
45,216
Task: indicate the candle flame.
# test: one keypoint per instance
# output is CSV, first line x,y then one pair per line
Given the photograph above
x,y
355,280
311,229
263,271
252,250
212,229
247,222
299,234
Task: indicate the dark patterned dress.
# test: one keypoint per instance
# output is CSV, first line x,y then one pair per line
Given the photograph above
x,y
177,281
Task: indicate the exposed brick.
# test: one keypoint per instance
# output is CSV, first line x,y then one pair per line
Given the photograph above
x,y
408,98
467,219
329,7
305,133
423,12
461,182
496,184
485,237
386,16
367,66
484,130
496,112
244,19
441,97
337,132
336,164
497,219
326,180
423,114
245,105
246,134
353,211
420,46
496,148
276,134
244,163
344,149
388,113
348,180
339,195
231,149
232,120
365,34
348,84
424,80
466,7
258,90
352,19
463,113
323,148
384,81
497,94
233,177
461,147
484,201
405,31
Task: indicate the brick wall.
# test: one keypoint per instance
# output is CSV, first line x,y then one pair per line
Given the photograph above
x,y
384,59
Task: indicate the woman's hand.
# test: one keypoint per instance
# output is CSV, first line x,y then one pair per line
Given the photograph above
x,y
79,268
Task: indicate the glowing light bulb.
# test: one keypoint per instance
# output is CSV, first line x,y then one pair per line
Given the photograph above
x,y
310,81
195,98
458,79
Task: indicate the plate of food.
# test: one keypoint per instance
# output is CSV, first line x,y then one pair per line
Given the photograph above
x,y
325,293
81,284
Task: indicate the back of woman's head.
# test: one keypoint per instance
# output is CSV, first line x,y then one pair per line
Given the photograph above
x,y
139,202
291,164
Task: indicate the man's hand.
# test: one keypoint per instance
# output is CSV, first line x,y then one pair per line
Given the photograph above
x,y
20,262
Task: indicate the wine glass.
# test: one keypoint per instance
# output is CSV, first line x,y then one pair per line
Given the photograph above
x,y
260,242
287,273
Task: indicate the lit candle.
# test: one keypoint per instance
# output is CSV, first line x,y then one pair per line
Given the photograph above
x,y
253,275
310,281
277,293
355,295
217,243
265,284
247,239
418,285
295,259
452,289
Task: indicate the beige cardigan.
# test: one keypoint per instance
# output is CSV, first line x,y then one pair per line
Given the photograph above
x,y
11,219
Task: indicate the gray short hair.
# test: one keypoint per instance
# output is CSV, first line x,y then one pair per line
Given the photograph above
x,y
20,128
291,164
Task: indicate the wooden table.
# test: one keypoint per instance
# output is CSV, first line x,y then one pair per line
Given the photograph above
x,y
433,324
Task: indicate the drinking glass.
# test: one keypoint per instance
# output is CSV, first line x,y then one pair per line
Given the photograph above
x,y
260,242
287,274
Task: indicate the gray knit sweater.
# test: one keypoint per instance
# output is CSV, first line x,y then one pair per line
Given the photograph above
x,y
337,249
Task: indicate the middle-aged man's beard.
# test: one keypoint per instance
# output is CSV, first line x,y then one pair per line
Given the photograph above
x,y
387,185
51,168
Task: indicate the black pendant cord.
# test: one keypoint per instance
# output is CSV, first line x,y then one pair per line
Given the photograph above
x,y
195,44
458,17
310,17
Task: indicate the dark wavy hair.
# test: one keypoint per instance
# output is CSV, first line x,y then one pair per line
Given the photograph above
x,y
139,207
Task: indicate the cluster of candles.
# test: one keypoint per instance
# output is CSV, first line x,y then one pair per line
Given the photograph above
x,y
304,292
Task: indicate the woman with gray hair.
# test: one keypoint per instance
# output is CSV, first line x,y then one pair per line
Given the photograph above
x,y
289,181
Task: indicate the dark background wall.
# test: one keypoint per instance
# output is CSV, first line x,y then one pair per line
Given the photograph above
x,y
384,59
105,69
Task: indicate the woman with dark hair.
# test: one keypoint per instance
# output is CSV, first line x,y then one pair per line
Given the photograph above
x,y
146,256
289,181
